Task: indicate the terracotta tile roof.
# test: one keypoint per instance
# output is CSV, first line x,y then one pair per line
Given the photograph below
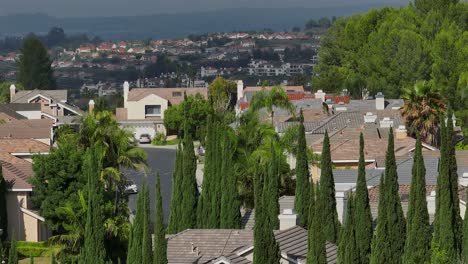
x,y
173,95
22,146
289,89
17,175
24,129
338,99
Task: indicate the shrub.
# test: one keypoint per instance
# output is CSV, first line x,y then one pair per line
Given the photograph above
x,y
160,139
35,249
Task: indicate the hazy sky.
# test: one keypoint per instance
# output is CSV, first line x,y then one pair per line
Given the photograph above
x,y
74,8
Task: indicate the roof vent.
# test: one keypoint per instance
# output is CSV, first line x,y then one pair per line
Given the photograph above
x,y
465,175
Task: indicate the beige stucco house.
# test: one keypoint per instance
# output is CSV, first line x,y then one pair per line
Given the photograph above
x,y
16,166
143,111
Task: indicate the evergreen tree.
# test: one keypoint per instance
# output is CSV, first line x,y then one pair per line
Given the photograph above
x,y
146,249
316,253
93,250
230,202
160,244
331,225
447,229
389,242
13,253
464,256
301,198
418,229
176,194
3,209
363,216
31,260
266,249
271,190
135,246
35,70
347,249
189,187
216,188
53,260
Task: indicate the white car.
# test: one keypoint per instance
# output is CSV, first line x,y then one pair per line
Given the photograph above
x,y
131,187
145,139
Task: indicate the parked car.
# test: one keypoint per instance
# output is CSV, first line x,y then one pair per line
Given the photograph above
x,y
145,139
131,187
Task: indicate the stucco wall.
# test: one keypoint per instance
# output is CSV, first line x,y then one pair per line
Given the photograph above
x,y
31,228
136,110
15,200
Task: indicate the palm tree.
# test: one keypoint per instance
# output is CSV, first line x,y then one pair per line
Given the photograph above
x,y
422,109
276,97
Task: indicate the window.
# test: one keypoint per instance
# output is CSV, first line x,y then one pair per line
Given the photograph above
x,y
176,94
152,110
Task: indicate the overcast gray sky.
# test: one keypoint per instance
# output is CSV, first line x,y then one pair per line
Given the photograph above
x,y
75,8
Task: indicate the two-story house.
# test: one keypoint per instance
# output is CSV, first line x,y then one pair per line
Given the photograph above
x,y
143,111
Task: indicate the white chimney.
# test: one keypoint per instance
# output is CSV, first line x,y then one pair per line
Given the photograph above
x,y
341,204
126,89
287,219
320,94
240,90
91,106
431,206
380,101
12,92
401,132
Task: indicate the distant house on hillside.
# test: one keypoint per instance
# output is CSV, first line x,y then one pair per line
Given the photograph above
x,y
143,110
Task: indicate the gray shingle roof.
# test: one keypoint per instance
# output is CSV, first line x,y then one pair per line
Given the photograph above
x,y
293,243
340,121
369,105
24,96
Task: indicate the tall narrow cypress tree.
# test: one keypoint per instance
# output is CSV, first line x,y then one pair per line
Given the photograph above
x,y
134,254
216,189
363,215
271,190
316,253
230,202
160,244
176,194
447,223
189,188
464,256
331,225
146,243
31,260
93,250
347,249
418,229
301,198
389,241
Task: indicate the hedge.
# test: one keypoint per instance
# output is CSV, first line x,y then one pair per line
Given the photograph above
x,y
34,249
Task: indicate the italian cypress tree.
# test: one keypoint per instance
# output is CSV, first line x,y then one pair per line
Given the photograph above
x,y
464,256
13,252
363,216
53,259
447,229
301,198
347,249
266,249
389,241
146,249
418,229
230,202
271,190
160,245
331,225
216,188
134,254
189,188
93,250
3,209
316,250
31,260
176,194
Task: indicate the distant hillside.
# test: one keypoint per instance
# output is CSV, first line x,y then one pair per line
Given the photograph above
x,y
174,25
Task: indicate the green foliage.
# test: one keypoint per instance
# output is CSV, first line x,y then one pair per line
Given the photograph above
x,y
3,209
31,260
5,91
160,139
160,244
331,225
222,94
347,250
176,194
301,198
139,250
316,253
198,109
389,241
12,253
464,255
35,70
35,249
418,229
271,191
53,260
276,97
362,210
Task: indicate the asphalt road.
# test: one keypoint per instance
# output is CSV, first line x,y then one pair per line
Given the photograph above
x,y
161,160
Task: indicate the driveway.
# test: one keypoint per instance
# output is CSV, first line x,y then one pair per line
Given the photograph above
x,y
161,160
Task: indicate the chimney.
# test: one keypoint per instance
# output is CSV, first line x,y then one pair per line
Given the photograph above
x,y
320,94
370,117
240,90
401,132
287,219
91,106
380,101
341,204
12,92
126,89
431,206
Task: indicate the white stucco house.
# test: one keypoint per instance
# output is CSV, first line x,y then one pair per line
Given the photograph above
x,y
143,111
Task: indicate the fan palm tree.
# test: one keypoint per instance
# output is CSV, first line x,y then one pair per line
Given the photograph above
x,y
276,97
422,109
